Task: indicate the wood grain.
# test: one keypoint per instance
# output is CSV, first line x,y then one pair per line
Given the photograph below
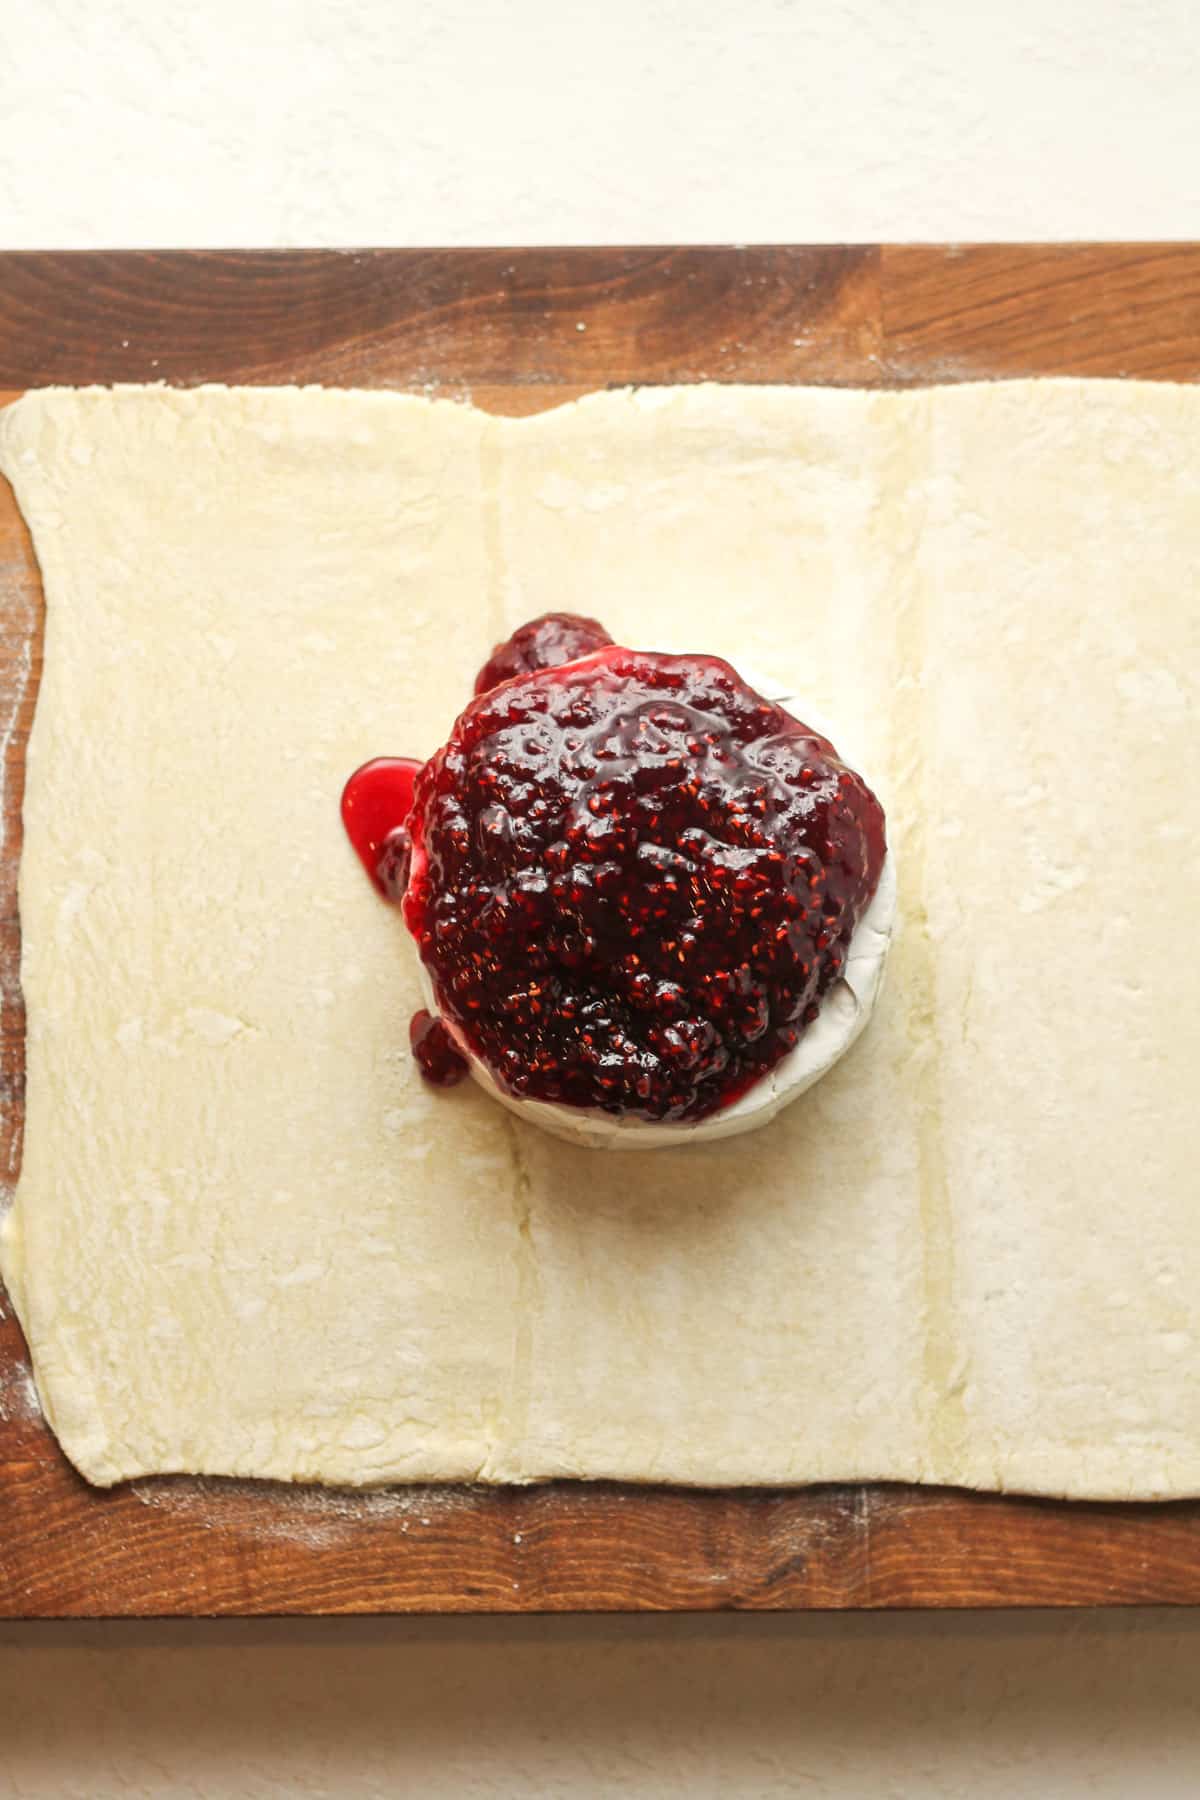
x,y
505,327
441,321
972,312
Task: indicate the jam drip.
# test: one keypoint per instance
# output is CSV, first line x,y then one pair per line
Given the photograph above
x,y
433,1047
633,878
376,802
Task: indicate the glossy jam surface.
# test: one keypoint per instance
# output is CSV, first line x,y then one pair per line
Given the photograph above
x,y
376,802
633,879
543,643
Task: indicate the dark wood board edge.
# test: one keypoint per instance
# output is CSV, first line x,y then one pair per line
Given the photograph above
x,y
971,312
504,327
208,1549
387,318
860,315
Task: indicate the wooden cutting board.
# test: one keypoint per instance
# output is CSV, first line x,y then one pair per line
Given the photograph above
x,y
518,330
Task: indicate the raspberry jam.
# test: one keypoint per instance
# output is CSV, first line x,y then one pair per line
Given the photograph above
x,y
544,643
437,1058
376,801
632,879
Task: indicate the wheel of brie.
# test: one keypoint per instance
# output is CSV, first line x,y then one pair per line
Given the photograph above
x,y
651,906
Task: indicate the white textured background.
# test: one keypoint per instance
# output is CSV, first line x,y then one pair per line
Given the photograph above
x,y
234,122
474,121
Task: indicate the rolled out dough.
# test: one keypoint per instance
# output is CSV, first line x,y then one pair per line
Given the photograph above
x,y
247,1240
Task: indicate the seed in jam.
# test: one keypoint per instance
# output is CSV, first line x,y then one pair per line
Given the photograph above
x,y
437,1058
544,643
633,879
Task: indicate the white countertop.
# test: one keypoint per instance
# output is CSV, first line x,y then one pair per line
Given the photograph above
x,y
253,122
978,1707
260,122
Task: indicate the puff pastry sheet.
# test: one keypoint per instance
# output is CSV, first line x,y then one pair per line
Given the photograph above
x,y
246,1239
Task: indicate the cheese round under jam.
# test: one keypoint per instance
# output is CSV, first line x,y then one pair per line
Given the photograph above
x,y
651,905
634,884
